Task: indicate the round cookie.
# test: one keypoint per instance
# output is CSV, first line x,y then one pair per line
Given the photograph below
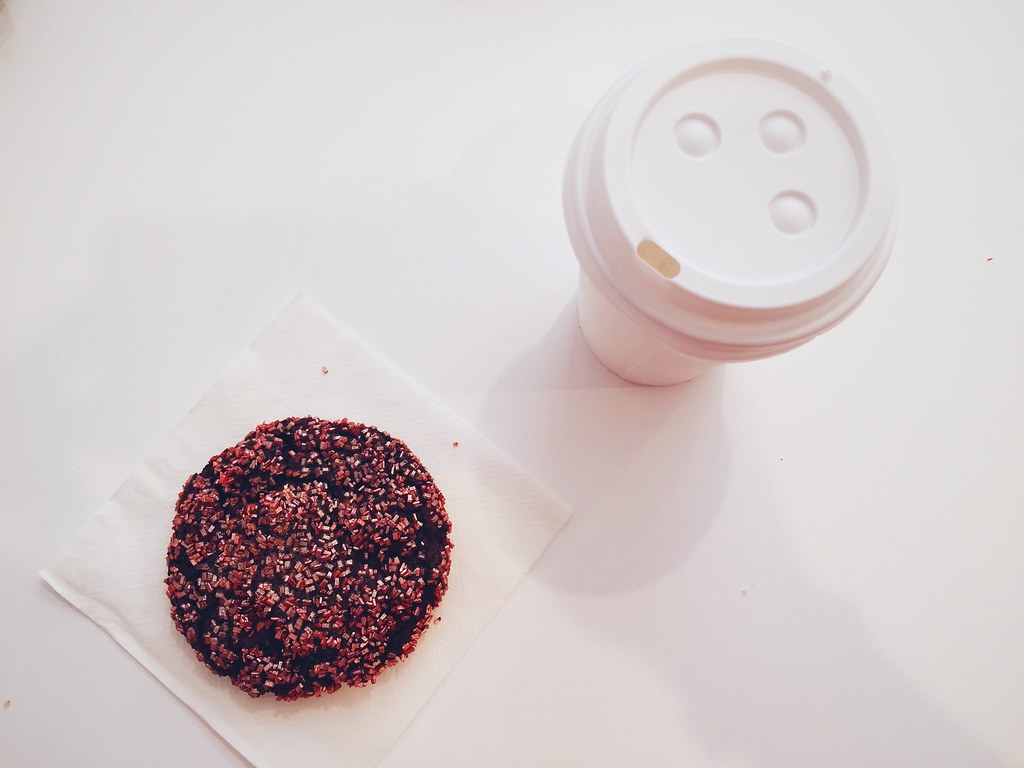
x,y
307,557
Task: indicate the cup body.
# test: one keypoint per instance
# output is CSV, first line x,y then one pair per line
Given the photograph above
x,y
726,202
626,344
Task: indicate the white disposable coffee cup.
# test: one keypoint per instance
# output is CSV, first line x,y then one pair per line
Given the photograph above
x,y
726,202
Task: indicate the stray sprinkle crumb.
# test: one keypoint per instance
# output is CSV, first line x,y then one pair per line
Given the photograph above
x,y
437,620
455,444
323,370
7,704
989,259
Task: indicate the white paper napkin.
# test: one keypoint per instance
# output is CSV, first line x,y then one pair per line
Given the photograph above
x,y
501,522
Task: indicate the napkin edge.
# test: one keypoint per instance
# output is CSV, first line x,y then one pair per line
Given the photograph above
x,y
104,618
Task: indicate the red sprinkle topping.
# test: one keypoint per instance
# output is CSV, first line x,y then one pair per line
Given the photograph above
x,y
455,444
323,370
308,556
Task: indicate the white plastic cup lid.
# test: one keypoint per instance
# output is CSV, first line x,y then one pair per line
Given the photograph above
x,y
738,193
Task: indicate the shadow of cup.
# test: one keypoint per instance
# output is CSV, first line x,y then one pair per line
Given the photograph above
x,y
644,468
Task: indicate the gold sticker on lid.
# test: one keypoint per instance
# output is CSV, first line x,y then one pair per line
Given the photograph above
x,y
658,259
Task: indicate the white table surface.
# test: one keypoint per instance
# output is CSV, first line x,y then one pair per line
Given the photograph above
x,y
809,561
